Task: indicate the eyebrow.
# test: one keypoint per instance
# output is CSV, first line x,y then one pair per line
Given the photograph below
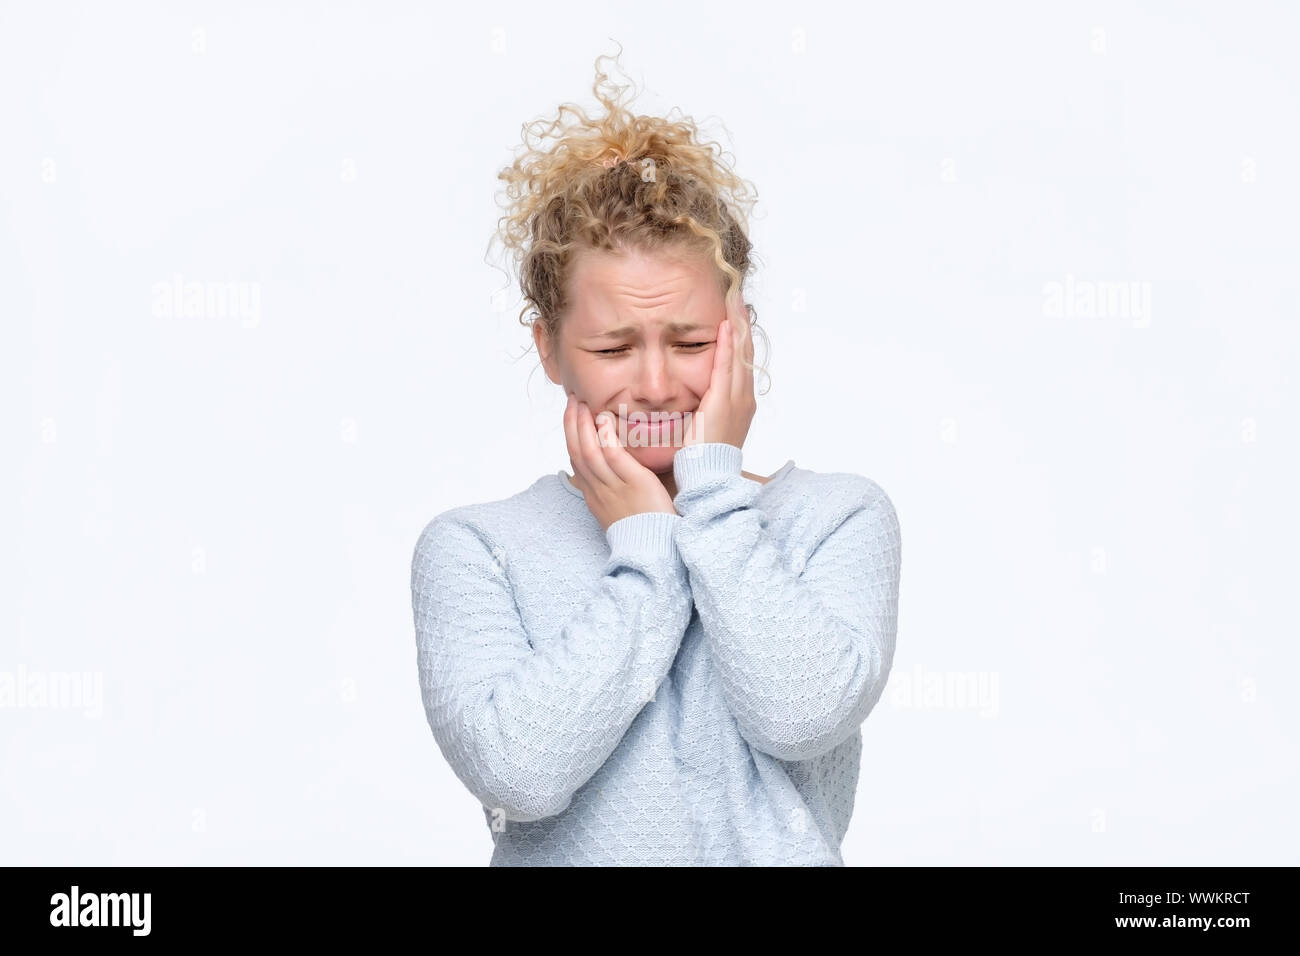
x,y
678,328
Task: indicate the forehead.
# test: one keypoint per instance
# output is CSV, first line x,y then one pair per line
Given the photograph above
x,y
635,287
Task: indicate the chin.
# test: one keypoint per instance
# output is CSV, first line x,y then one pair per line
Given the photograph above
x,y
658,459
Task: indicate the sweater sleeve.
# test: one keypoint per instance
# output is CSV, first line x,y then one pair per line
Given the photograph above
x,y
523,727
803,644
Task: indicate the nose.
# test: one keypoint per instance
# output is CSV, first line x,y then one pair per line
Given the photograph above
x,y
654,382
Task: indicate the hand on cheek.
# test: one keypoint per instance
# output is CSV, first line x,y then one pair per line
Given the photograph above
x,y
614,484
727,408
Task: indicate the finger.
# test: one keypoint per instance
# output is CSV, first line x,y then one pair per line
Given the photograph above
x,y
737,382
571,434
607,433
725,358
584,478
578,481
742,341
688,428
742,388
744,332
717,393
619,460
592,453
624,467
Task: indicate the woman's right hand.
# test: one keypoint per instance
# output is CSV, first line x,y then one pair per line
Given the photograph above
x,y
614,484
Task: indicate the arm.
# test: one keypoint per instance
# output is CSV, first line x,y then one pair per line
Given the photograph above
x,y
803,650
522,728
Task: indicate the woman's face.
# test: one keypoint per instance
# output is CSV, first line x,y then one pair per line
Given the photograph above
x,y
639,337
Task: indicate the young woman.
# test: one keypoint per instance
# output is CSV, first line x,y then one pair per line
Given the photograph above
x,y
659,659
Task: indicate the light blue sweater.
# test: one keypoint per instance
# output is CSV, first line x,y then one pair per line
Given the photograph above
x,y
680,689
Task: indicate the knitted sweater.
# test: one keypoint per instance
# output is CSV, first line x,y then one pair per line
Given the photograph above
x,y
680,689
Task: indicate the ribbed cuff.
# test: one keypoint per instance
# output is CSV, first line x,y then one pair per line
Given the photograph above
x,y
696,464
647,533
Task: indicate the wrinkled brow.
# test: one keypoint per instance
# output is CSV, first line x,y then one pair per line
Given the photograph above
x,y
678,328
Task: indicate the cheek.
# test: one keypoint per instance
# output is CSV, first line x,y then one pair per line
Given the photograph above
x,y
594,381
700,373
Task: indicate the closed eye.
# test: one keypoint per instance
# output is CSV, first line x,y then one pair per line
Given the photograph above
x,y
623,348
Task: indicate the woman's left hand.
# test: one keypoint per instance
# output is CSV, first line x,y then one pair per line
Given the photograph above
x,y
728,407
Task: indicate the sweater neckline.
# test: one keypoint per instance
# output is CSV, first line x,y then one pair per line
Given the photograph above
x,y
776,476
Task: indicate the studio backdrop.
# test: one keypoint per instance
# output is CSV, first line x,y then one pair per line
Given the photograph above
x,y
1030,268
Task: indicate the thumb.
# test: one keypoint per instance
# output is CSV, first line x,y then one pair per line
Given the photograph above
x,y
618,458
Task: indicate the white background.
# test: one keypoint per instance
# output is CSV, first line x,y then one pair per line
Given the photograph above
x,y
215,514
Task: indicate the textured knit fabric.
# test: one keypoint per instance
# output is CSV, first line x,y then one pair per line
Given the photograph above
x,y
680,689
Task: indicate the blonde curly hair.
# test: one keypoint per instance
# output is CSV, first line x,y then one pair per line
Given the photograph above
x,y
616,183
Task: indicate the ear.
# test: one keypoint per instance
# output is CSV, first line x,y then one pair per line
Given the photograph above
x,y
546,350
